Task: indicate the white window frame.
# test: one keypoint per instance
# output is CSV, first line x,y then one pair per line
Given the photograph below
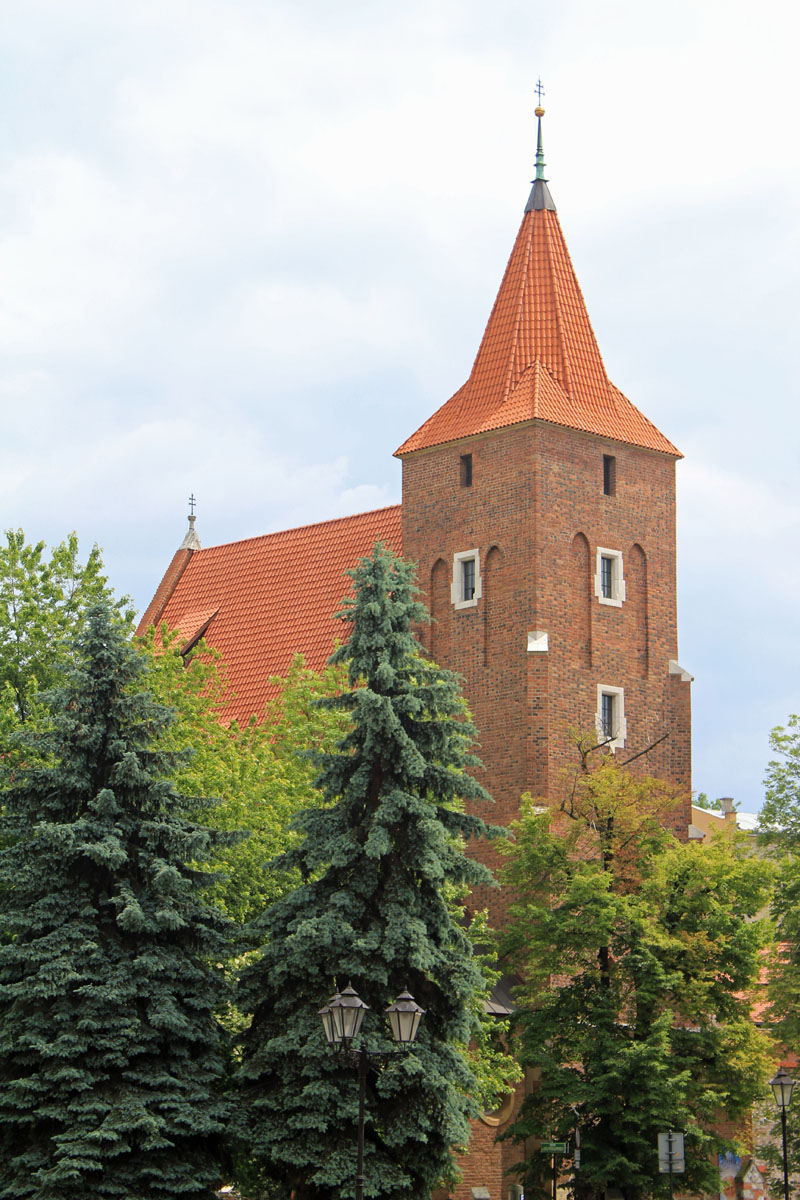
x,y
457,586
618,695
617,577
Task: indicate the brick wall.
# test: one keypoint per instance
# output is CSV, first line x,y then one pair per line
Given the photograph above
x,y
536,513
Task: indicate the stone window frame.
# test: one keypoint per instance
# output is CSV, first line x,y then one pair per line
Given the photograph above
x,y
617,597
618,698
457,585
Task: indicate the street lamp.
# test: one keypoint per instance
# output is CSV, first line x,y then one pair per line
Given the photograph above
x,y
342,1017
404,1018
341,1021
782,1087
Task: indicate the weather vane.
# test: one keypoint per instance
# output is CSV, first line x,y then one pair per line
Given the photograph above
x,y
192,503
539,90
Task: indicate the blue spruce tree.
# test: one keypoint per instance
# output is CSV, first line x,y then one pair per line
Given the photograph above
x,y
110,1053
382,860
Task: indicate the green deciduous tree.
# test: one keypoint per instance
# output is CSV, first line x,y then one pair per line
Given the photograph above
x,y
780,825
702,801
44,598
382,864
779,822
780,816
637,953
260,775
110,1053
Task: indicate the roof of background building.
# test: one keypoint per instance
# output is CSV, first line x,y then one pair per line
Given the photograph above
x,y
264,600
707,823
539,359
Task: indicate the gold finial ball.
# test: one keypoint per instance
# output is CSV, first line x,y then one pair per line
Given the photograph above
x,y
539,112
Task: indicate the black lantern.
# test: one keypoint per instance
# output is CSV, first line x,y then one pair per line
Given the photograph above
x,y
404,1017
782,1087
342,1017
327,1022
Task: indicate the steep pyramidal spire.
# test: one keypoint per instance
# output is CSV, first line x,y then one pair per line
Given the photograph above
x,y
538,358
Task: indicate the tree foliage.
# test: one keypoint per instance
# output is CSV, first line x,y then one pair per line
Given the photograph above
x,y
780,815
110,1053
259,775
780,825
702,801
637,953
44,599
779,822
382,865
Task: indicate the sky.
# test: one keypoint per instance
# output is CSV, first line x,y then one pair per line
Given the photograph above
x,y
248,246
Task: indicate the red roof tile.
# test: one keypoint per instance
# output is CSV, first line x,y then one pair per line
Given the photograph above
x,y
538,358
268,598
180,561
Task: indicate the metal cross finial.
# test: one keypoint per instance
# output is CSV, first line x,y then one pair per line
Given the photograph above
x,y
539,90
192,503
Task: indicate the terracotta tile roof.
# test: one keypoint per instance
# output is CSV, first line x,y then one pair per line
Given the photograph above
x,y
180,561
268,598
539,358
192,625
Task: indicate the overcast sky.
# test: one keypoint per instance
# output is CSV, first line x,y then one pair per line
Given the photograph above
x,y
248,246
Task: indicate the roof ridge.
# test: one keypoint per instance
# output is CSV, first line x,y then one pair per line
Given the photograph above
x,y
163,593
496,316
369,512
553,280
537,386
523,295
618,395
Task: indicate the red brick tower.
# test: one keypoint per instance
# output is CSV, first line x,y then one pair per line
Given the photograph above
x,y
539,504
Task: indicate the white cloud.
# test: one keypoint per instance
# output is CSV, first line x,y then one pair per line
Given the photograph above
x,y
247,248
318,328
67,264
729,517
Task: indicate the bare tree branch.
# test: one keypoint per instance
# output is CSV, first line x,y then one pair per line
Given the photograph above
x,y
646,750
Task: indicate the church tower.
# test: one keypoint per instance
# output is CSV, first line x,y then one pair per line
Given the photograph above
x,y
539,505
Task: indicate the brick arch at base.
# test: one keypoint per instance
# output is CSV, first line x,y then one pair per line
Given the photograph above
x,y
580,602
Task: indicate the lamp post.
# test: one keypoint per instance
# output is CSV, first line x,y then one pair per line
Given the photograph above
x,y
341,1020
782,1087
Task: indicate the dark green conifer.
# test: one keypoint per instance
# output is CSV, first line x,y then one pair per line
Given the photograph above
x,y
382,859
110,1057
